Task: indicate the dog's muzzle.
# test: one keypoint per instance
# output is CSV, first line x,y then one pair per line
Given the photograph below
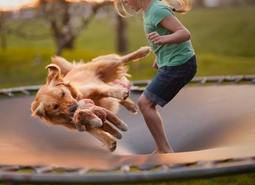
x,y
72,108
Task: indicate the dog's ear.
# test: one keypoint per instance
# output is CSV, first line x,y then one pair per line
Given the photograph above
x,y
37,109
54,73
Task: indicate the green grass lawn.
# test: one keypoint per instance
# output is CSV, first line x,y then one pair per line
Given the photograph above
x,y
223,40
247,179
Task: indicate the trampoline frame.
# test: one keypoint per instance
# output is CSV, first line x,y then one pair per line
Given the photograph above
x,y
140,84
199,169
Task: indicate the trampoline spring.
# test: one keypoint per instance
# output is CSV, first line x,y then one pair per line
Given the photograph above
x,y
137,89
69,170
240,78
9,168
228,160
221,161
150,167
8,93
184,165
82,171
141,82
45,169
75,170
147,167
203,81
59,170
195,80
249,159
26,92
221,80
253,158
235,79
164,168
125,168
50,169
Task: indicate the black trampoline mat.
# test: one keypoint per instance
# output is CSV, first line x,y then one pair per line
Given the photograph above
x,y
202,123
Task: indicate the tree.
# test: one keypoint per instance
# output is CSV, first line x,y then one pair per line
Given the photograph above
x,y
3,40
67,20
199,3
121,28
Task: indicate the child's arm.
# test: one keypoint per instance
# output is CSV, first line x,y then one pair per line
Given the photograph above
x,y
179,32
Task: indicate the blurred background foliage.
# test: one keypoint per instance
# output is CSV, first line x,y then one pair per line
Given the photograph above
x,y
222,35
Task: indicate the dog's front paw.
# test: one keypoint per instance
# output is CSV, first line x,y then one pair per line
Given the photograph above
x,y
124,94
132,108
79,96
120,94
112,146
87,118
80,127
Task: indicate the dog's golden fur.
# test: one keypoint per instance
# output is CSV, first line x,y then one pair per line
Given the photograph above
x,y
98,80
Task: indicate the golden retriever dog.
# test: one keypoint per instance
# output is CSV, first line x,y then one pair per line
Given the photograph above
x,y
103,80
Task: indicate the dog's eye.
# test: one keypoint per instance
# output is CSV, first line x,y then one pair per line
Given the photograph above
x,y
63,94
55,106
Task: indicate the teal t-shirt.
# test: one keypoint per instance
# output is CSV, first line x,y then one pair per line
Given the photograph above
x,y
167,54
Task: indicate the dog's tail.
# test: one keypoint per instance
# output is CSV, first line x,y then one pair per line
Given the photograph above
x,y
136,55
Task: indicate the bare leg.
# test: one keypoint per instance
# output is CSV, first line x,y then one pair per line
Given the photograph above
x,y
155,125
104,91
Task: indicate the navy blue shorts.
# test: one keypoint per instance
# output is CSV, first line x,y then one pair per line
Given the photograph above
x,y
169,80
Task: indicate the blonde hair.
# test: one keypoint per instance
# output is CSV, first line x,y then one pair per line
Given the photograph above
x,y
180,6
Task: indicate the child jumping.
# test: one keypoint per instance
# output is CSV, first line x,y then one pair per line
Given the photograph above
x,y
175,59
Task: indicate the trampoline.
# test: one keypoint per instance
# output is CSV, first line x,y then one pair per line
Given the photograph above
x,y
210,124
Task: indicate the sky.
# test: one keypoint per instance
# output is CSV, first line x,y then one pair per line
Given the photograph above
x,y
6,5
12,4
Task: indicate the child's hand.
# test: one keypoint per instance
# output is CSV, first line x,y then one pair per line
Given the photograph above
x,y
156,38
155,65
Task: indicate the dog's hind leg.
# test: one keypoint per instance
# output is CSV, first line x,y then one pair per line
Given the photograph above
x,y
104,91
104,137
136,55
129,105
111,67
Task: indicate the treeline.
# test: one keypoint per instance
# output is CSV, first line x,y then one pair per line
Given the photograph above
x,y
215,3
65,21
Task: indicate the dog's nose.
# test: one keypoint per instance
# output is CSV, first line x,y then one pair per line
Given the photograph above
x,y
72,108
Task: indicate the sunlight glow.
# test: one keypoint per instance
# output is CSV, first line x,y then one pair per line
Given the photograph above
x,y
14,5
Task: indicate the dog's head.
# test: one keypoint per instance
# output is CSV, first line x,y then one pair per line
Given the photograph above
x,y
55,101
